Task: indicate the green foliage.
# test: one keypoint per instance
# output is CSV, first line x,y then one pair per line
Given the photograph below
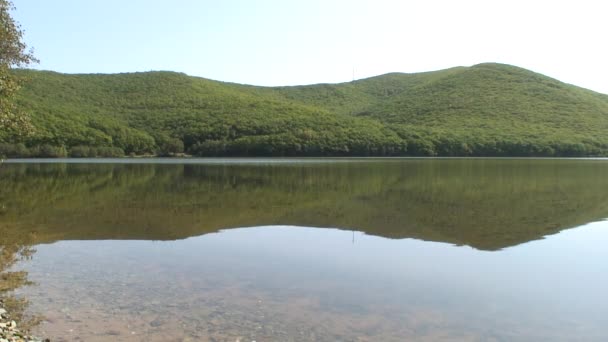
x,y
168,146
49,151
92,152
484,110
13,122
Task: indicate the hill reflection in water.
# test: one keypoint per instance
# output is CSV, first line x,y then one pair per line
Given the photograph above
x,y
484,203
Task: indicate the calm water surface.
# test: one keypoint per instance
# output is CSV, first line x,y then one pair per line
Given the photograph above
x,y
309,250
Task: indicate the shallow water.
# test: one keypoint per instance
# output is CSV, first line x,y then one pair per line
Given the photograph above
x,y
363,250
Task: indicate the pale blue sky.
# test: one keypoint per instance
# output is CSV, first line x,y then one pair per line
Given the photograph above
x,y
274,42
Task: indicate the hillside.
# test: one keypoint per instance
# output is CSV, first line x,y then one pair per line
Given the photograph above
x,y
484,110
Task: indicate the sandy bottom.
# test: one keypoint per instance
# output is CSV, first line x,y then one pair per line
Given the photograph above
x,y
216,289
234,314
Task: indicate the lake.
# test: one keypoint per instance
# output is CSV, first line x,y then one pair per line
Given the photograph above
x,y
308,249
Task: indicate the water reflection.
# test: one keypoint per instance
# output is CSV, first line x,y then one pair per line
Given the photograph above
x,y
12,280
486,204
302,284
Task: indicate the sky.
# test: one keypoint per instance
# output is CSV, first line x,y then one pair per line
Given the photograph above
x,y
283,42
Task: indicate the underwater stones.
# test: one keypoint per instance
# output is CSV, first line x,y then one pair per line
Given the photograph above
x,y
9,331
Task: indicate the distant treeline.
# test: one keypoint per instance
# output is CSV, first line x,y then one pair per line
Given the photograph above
x,y
50,151
281,146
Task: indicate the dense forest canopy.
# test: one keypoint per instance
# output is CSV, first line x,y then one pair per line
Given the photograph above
x,y
484,110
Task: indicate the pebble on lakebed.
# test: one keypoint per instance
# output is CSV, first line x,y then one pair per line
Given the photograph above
x,y
9,331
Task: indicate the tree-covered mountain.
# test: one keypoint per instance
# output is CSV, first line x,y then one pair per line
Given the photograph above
x,y
486,109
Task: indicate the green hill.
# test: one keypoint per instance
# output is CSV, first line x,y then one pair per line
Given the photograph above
x,y
487,109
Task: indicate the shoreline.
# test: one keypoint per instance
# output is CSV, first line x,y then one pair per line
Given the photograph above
x,y
9,331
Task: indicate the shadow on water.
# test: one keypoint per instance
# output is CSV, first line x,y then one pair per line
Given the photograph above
x,y
486,204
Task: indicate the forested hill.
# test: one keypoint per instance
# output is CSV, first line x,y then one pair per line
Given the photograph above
x,y
483,110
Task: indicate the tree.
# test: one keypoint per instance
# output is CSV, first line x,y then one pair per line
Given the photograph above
x,y
13,53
